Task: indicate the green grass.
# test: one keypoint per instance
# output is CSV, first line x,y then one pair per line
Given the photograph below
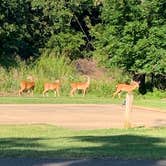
x,y
151,103
57,100
50,141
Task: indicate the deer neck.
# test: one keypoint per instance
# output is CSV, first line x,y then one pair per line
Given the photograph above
x,y
88,80
31,80
135,86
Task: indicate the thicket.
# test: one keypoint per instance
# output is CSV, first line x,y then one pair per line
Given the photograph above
x,y
50,68
42,38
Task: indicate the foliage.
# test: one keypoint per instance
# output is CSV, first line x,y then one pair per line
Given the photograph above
x,y
125,34
132,35
21,31
10,78
39,25
50,68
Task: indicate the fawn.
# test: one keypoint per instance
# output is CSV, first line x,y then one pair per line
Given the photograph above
x,y
27,85
126,87
55,86
80,86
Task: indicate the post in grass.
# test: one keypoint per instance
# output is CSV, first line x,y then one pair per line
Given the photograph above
x,y
128,110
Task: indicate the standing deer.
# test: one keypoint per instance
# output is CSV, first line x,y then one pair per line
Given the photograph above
x,y
52,86
80,86
27,85
126,87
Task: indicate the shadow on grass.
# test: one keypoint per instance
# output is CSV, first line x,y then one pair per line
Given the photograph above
x,y
116,146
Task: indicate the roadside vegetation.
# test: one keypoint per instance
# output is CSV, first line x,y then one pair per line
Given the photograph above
x,y
45,38
151,103
50,68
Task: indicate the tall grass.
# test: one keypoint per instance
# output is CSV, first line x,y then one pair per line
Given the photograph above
x,y
49,68
10,78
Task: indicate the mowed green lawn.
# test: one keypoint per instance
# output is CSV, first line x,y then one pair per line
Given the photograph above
x,y
50,141
151,103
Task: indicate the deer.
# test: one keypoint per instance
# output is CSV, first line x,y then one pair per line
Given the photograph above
x,y
27,85
55,86
80,86
126,87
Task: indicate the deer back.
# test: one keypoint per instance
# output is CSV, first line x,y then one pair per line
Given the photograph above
x,y
27,85
81,85
52,86
127,87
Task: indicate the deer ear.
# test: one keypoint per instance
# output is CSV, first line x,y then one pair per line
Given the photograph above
x,y
57,81
131,81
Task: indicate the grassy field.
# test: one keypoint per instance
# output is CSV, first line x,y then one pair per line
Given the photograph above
x,y
151,103
51,141
58,100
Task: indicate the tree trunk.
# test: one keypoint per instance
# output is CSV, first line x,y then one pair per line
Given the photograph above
x,y
141,78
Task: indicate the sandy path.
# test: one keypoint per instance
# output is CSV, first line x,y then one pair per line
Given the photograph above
x,y
78,116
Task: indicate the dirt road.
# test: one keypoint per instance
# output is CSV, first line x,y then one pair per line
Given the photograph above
x,y
78,116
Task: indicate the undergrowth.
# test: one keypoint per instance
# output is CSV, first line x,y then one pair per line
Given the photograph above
x,y
50,68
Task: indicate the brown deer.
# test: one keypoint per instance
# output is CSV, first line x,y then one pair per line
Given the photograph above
x,y
55,86
80,86
27,86
126,87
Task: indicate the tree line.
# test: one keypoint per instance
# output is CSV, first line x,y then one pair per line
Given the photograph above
x,y
129,34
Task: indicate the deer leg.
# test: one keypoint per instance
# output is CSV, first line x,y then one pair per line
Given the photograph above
x,y
28,91
72,92
58,92
114,94
32,93
119,95
84,91
55,93
44,92
19,92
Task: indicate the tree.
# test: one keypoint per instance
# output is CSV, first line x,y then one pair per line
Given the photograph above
x,y
23,31
29,27
132,36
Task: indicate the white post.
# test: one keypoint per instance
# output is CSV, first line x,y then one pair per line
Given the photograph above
x,y
129,103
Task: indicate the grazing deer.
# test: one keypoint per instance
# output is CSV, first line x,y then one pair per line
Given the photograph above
x,y
27,85
80,86
126,87
55,86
